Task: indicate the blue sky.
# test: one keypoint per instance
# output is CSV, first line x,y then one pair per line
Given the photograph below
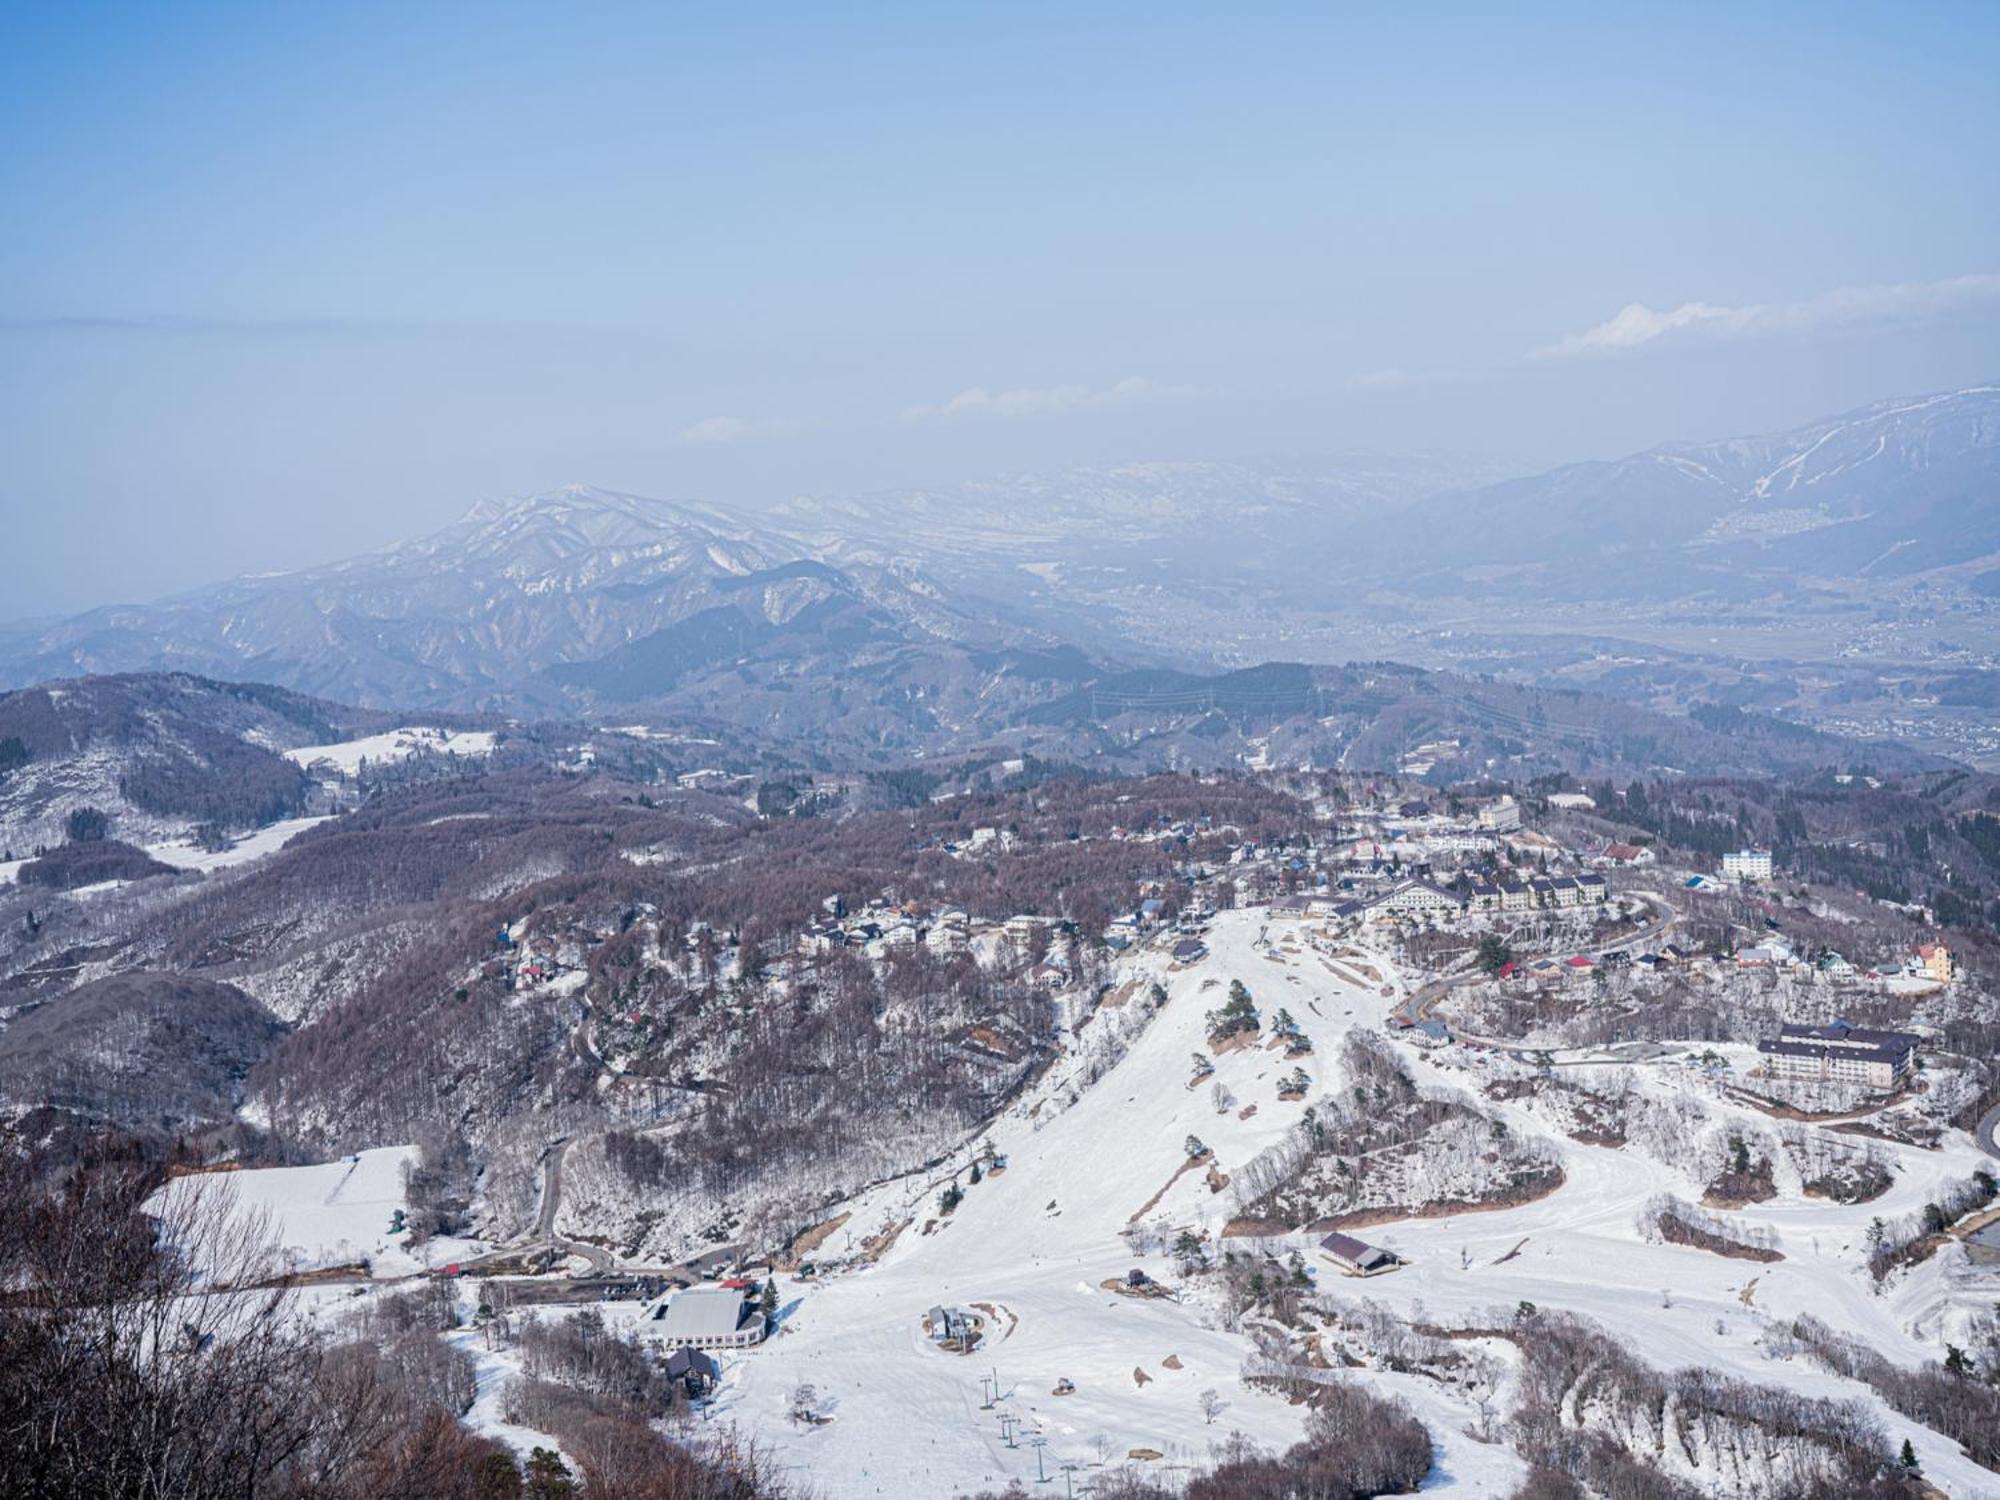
x,y
280,282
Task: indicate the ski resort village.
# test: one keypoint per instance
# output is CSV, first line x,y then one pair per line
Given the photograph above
x,y
1527,1141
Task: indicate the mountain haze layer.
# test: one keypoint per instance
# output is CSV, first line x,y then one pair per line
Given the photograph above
x,y
918,621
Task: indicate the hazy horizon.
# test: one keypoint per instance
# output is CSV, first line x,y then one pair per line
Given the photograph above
x,y
284,288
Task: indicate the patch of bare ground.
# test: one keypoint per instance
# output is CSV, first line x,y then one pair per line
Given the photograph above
x,y
967,1342
1246,1111
1255,1229
994,1043
1362,1218
1609,1140
1217,1178
808,1240
1146,1290
1171,1362
883,1240
1001,1321
1849,1190
1879,1130
1115,998
1740,1189
1679,1232
1512,1254
1238,1042
1206,1159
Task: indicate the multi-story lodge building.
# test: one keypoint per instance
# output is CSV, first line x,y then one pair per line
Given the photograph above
x,y
1747,864
1840,1053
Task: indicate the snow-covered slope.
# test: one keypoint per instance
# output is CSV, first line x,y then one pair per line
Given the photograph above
x,y
1035,1243
346,756
334,1214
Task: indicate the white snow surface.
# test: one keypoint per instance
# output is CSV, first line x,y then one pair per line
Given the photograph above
x,y
907,1419
394,744
183,854
1038,1240
332,1214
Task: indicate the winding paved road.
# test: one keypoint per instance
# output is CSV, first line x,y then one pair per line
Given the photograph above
x,y
1984,1135
545,1222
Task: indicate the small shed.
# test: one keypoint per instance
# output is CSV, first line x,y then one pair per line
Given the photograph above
x,y
1356,1257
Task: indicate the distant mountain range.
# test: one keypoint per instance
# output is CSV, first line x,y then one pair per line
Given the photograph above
x,y
912,622
1896,488
509,607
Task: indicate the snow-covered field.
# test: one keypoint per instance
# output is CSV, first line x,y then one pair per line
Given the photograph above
x,y
333,1214
1037,1241
394,744
185,855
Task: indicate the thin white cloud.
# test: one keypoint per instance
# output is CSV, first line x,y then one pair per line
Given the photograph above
x,y
1636,326
737,429
977,401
